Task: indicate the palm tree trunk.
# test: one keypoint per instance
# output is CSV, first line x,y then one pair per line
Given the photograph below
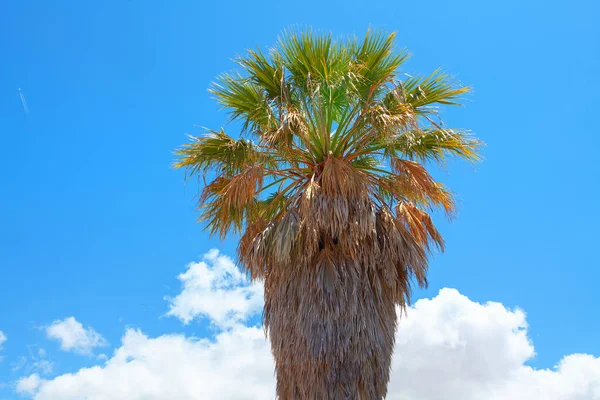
x,y
331,327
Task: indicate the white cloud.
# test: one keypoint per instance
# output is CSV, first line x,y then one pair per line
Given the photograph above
x,y
28,385
215,288
478,351
74,337
236,366
446,347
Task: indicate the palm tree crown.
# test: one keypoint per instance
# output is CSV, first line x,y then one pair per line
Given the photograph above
x,y
328,187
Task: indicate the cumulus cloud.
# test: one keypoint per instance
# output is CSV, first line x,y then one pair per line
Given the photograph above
x,y
215,288
28,385
478,351
236,365
447,347
74,337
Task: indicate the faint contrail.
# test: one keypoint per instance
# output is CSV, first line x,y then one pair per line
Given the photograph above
x,y
24,102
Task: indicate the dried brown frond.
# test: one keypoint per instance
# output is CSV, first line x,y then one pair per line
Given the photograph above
x,y
250,250
243,187
285,238
419,224
340,179
227,202
413,182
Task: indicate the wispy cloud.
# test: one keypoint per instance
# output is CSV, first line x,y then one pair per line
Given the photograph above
x,y
2,340
36,362
22,96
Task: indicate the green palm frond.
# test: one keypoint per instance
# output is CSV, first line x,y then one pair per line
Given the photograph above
x,y
264,73
437,144
245,100
313,59
377,62
436,88
220,152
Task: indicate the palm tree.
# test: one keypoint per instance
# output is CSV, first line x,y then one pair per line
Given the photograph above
x,y
328,189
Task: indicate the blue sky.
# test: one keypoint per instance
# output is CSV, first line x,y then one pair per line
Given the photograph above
x,y
95,224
